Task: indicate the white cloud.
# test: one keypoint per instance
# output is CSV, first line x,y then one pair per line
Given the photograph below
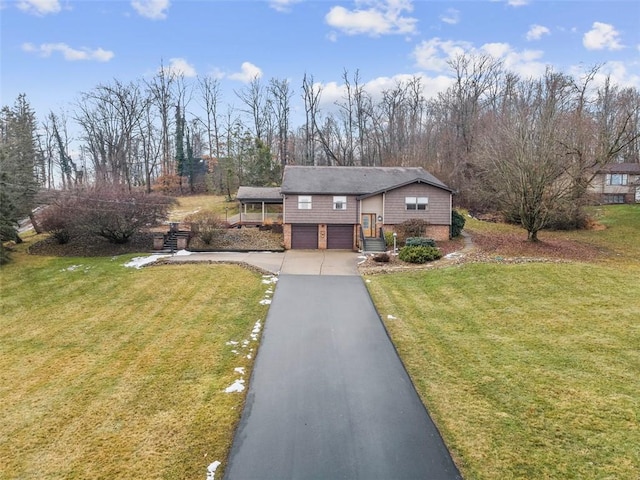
x,y
435,55
69,53
374,18
248,71
39,7
451,16
602,36
536,32
517,3
618,73
153,9
283,6
180,67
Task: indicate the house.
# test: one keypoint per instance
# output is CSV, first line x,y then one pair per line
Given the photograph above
x,y
617,183
342,207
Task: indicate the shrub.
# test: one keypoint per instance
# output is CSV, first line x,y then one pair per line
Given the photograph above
x,y
457,223
420,242
413,227
60,218
419,254
381,258
206,224
117,214
388,239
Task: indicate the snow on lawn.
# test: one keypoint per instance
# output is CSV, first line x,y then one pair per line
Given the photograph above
x,y
139,262
211,470
391,317
237,386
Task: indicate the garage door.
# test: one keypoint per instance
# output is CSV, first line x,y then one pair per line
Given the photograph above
x,y
304,236
340,237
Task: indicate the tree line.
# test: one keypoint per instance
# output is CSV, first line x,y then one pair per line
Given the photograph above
x,y
528,147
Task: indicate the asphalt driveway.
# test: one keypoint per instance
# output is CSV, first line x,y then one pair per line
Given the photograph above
x,y
329,397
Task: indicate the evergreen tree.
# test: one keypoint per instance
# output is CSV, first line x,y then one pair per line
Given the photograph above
x,y
19,160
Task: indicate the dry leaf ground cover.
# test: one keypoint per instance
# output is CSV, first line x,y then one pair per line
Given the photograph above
x,y
531,369
112,372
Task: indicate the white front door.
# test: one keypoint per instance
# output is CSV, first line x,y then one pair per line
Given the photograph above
x,y
637,194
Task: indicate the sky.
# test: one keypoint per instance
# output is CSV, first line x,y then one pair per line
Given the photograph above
x,y
52,50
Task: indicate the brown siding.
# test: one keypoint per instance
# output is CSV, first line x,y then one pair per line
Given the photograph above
x,y
438,211
321,210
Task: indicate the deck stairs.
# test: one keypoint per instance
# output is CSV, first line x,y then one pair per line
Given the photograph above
x,y
374,244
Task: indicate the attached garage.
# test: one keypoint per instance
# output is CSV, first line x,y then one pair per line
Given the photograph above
x,y
304,237
340,237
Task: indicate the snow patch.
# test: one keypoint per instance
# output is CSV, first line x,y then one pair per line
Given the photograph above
x,y
231,342
239,370
237,386
139,262
391,317
454,255
269,279
265,301
368,281
211,470
182,253
71,268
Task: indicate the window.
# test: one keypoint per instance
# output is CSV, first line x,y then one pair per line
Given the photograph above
x,y
339,203
614,199
617,179
304,202
416,203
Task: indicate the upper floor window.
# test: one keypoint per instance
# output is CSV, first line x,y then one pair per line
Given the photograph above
x,y
416,203
617,179
339,203
304,202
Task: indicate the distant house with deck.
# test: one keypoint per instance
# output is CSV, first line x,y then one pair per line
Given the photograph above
x,y
617,183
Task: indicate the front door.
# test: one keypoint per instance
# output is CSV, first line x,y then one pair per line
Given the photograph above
x,y
369,224
637,194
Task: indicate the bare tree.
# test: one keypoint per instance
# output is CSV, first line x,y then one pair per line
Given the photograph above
x,y
311,94
280,93
522,160
161,90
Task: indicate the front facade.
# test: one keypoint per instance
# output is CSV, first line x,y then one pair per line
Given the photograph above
x,y
341,207
617,183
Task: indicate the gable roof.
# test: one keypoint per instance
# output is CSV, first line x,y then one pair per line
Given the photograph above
x,y
259,194
361,181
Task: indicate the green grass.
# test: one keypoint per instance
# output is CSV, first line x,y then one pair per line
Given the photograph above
x,y
112,372
193,203
529,370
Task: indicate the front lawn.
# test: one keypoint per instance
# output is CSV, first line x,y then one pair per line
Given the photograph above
x,y
113,372
530,370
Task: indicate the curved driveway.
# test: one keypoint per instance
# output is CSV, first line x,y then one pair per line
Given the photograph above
x,y
329,397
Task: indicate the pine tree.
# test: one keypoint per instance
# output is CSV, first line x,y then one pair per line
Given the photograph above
x,y
19,160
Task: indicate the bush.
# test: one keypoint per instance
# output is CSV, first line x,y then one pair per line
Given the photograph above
x,y
457,223
419,254
420,242
413,227
206,225
381,258
60,218
117,214
388,239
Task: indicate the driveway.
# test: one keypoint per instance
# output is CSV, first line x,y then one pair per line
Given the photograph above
x,y
329,397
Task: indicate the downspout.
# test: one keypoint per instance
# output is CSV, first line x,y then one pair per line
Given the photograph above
x,y
263,212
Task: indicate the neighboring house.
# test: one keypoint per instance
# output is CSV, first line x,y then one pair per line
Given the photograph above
x,y
617,183
341,207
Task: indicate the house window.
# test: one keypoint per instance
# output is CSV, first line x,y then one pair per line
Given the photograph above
x,y
617,179
416,203
339,203
614,199
304,202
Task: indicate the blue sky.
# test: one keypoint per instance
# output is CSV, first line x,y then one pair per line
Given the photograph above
x,y
54,49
